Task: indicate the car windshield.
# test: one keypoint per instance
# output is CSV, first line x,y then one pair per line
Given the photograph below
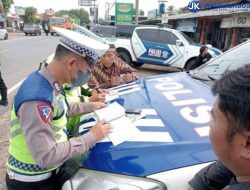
x,y
106,32
125,31
190,41
228,61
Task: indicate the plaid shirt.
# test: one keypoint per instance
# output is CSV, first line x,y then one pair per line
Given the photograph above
x,y
101,76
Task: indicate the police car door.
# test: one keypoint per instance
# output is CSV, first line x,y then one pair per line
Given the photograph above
x,y
152,46
173,48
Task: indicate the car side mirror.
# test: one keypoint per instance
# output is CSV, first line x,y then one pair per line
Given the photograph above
x,y
179,43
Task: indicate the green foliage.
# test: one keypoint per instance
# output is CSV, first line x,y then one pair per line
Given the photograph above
x,y
171,10
30,15
180,10
6,5
75,13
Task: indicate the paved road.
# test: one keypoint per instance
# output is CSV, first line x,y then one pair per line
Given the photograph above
x,y
20,55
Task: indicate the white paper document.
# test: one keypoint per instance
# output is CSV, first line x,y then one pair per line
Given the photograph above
x,y
123,128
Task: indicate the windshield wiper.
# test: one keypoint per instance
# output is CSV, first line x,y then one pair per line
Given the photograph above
x,y
211,78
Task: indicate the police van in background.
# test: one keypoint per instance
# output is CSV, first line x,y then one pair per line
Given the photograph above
x,y
173,143
160,46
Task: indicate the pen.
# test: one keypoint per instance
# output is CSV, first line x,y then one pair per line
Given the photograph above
x,y
97,90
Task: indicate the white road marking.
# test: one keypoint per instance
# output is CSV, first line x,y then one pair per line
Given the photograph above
x,y
15,87
19,39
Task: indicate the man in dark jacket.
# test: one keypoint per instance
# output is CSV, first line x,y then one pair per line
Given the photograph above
x,y
202,58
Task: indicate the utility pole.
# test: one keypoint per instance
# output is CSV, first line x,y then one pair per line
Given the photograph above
x,y
136,11
107,9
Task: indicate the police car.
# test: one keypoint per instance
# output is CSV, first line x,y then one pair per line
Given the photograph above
x,y
160,46
173,142
155,46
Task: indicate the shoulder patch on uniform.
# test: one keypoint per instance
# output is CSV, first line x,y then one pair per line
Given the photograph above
x,y
44,111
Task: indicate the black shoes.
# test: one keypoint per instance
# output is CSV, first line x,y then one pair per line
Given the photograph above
x,y
3,102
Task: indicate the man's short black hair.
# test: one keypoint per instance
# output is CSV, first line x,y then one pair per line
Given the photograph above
x,y
203,48
62,51
234,99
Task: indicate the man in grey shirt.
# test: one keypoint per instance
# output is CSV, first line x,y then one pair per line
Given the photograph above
x,y
39,144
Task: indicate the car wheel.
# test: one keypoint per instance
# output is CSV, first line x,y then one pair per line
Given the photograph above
x,y
190,65
6,36
40,34
26,34
52,34
137,64
125,57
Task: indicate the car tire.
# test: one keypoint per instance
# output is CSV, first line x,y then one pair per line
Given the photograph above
x,y
52,34
125,56
40,34
6,36
137,64
26,34
190,64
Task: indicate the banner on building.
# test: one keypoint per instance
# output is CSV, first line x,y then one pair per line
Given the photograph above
x,y
124,13
187,25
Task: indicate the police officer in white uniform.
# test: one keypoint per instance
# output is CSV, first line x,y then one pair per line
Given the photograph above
x,y
39,144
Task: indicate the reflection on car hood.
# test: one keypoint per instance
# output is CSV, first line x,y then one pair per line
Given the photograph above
x,y
174,132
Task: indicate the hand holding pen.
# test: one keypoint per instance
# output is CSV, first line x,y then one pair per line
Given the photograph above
x,y
101,129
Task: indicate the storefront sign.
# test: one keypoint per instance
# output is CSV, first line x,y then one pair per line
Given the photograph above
x,y
124,13
187,25
238,21
226,22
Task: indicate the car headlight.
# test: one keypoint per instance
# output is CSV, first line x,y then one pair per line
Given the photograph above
x,y
89,179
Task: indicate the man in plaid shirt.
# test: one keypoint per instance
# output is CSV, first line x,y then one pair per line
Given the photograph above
x,y
111,71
